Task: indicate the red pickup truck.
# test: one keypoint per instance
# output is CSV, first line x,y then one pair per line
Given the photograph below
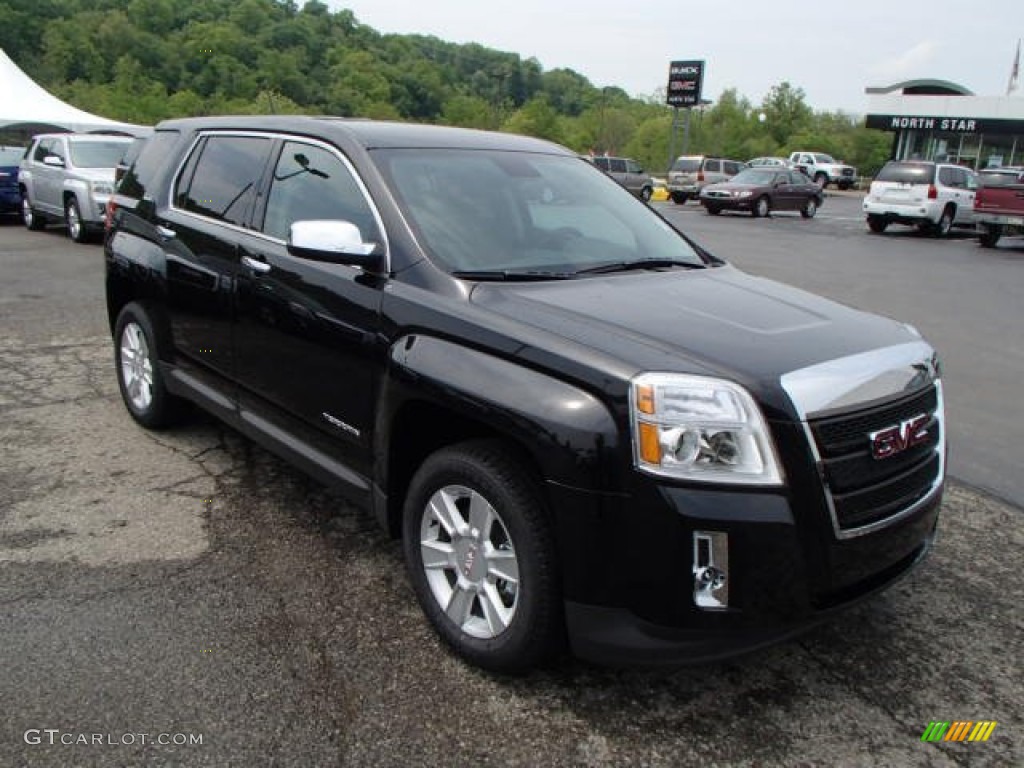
x,y
999,204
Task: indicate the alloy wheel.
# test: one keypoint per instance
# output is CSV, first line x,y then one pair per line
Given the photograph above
x,y
469,561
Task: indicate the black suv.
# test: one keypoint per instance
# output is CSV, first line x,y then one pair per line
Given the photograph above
x,y
581,424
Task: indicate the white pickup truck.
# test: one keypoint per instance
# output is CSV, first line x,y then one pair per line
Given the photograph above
x,y
824,169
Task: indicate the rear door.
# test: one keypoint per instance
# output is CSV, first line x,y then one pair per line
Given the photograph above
x,y
306,330
46,179
213,198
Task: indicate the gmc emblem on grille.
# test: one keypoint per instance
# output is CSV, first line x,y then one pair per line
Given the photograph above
x,y
899,437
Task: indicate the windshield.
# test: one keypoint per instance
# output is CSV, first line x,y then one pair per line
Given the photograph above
x,y
686,164
516,212
97,154
11,155
825,159
753,177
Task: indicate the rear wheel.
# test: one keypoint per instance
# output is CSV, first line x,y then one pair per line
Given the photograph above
x,y
990,235
137,348
679,198
73,217
877,224
810,208
761,208
481,556
942,227
28,214
821,180
714,210
645,194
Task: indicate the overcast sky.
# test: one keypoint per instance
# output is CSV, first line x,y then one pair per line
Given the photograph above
x,y
833,49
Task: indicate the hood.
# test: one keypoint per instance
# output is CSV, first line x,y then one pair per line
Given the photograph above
x,y
95,174
717,321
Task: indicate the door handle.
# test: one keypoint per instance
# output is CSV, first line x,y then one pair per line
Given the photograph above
x,y
165,232
257,266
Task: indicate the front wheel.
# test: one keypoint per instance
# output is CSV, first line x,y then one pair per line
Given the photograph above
x,y
481,556
761,208
821,180
645,194
990,235
679,198
810,208
944,224
713,210
73,218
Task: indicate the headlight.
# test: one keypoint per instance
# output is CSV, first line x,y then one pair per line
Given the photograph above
x,y
700,428
102,188
743,193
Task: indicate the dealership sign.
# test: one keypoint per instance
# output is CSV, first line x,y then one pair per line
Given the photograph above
x,y
684,83
944,123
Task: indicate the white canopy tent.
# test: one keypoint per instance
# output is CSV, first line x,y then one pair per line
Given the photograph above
x,y
26,108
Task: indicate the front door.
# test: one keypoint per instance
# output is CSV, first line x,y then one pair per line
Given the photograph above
x,y
306,331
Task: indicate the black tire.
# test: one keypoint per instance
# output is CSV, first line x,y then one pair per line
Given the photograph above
x,y
942,227
877,224
136,332
29,216
713,210
844,185
762,207
810,208
679,198
462,580
821,180
73,220
990,235
645,194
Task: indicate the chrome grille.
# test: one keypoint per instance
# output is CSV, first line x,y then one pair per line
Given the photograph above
x,y
865,492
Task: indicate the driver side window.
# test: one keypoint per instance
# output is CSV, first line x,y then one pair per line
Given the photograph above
x,y
309,183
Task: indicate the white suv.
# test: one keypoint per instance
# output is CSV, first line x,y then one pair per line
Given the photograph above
x,y
934,197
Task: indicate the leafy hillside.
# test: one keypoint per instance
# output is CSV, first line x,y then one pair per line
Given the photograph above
x,y
145,60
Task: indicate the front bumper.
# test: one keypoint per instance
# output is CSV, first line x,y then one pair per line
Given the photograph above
x,y
729,203
630,589
10,201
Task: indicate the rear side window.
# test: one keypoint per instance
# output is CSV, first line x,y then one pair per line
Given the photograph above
x,y
713,166
733,168
602,162
618,165
907,173
144,158
311,183
222,182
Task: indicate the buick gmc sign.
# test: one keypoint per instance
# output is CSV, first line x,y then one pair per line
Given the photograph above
x,y
684,83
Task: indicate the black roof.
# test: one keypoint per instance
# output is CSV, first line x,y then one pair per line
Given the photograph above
x,y
372,134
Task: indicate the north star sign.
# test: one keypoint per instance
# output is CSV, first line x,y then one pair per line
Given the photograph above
x,y
960,124
945,124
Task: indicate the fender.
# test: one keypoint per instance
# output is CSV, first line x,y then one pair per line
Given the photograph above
x,y
570,433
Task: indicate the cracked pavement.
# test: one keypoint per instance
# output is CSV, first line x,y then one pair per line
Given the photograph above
x,y
188,582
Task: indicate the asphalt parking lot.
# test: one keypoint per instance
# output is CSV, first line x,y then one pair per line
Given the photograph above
x,y
187,584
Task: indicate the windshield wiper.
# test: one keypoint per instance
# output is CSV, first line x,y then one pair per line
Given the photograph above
x,y
511,274
626,266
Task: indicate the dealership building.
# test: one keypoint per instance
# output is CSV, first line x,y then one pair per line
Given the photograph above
x,y
943,121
